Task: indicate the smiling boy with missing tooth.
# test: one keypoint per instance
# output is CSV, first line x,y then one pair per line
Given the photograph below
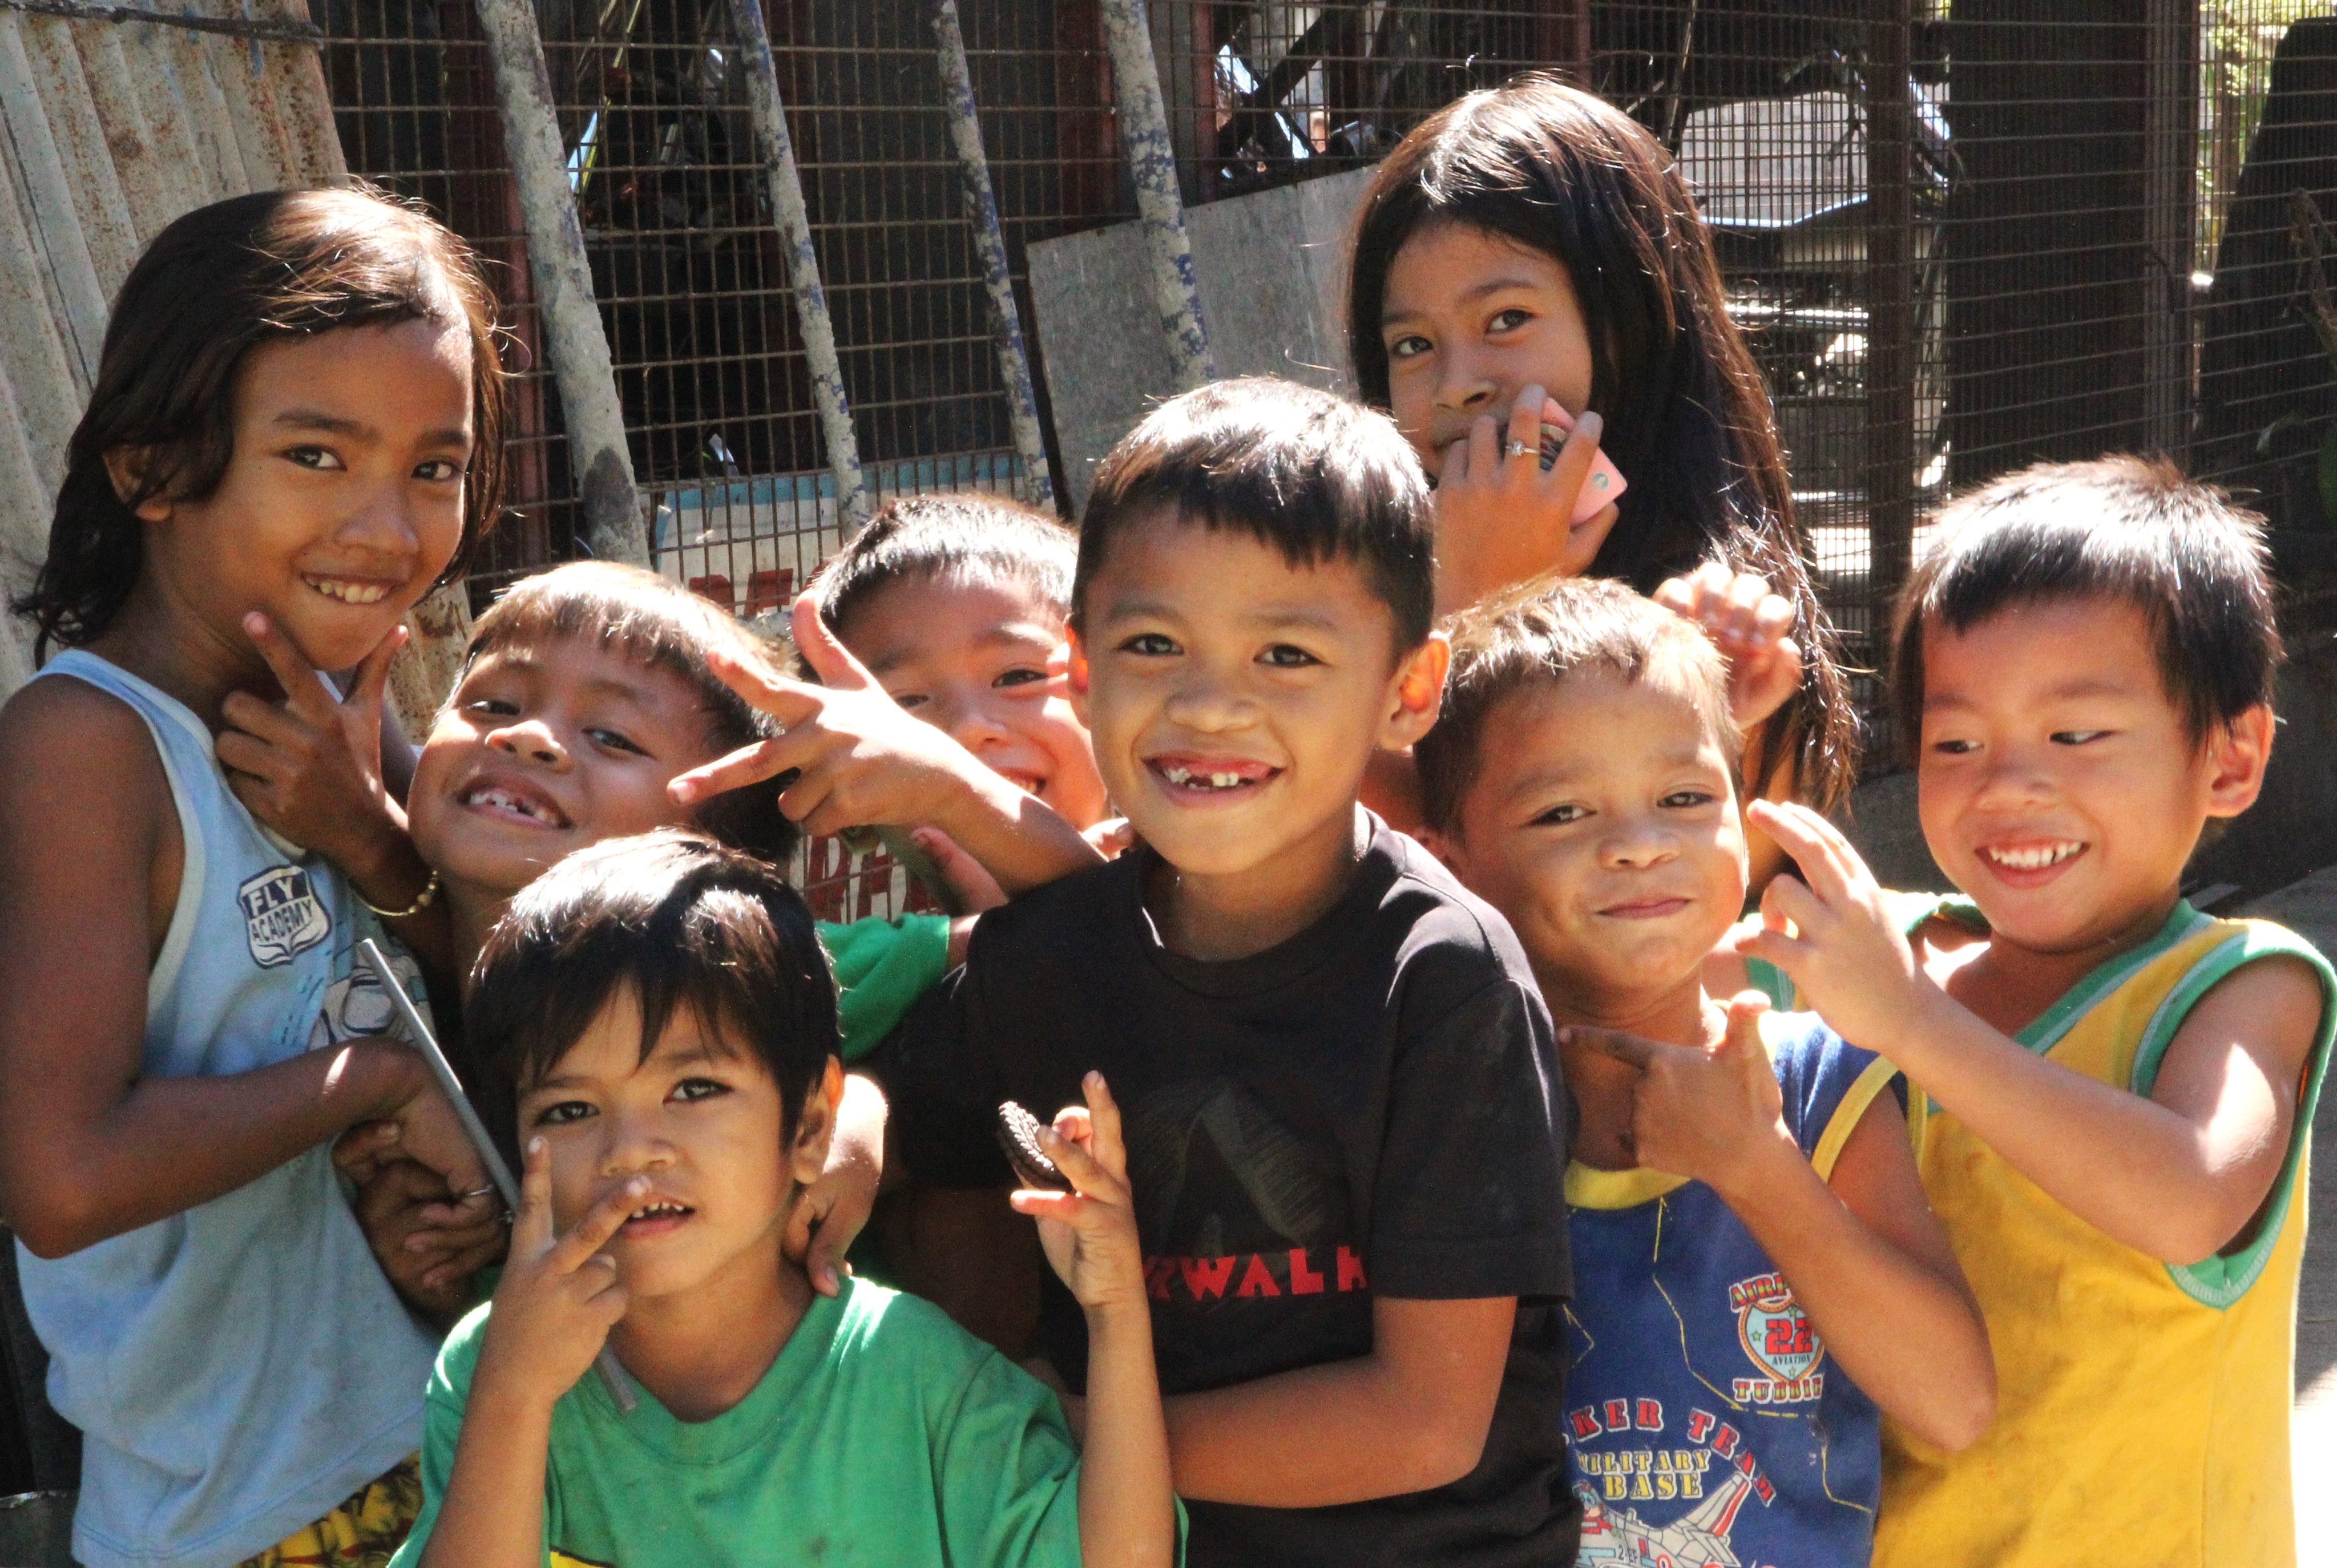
x,y
1345,1123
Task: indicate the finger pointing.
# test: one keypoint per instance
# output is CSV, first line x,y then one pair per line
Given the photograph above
x,y
1614,1043
373,675
531,1226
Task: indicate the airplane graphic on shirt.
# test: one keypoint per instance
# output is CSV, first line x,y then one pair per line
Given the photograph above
x,y
1618,1538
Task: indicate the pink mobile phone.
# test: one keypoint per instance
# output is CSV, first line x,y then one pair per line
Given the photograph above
x,y
1606,482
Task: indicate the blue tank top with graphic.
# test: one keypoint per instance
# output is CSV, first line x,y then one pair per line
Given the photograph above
x,y
1707,1427
239,1369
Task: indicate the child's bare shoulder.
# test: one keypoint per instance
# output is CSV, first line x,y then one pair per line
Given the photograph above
x,y
2278,999
58,732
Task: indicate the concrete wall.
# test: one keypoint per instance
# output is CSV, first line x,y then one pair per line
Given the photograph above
x,y
1272,272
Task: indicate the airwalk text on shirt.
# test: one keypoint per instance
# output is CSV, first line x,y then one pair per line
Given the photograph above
x,y
1298,1271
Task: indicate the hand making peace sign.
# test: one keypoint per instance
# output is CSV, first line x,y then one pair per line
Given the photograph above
x,y
559,1296
1712,1115
310,766
848,756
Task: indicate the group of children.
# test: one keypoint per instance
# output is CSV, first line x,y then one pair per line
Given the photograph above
x,y
1447,1168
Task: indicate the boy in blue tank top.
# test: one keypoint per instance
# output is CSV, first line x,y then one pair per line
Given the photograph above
x,y
1753,1255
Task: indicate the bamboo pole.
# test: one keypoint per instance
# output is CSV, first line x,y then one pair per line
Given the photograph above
x,y
1038,486
776,152
573,340
1152,164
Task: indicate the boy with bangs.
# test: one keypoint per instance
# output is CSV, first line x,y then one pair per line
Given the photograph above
x,y
2119,1088
958,606
1345,1120
656,1019
1752,1252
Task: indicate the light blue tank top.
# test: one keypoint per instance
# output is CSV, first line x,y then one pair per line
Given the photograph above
x,y
239,1369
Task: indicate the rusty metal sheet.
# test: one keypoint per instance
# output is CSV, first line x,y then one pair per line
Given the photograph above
x,y
37,171
24,535
106,228
271,157
296,78
47,402
423,673
171,131
206,110
151,197
275,117
234,76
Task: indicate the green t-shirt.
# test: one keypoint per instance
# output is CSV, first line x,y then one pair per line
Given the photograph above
x,y
883,1435
882,967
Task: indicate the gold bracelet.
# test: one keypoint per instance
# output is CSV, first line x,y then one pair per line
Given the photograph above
x,y
421,901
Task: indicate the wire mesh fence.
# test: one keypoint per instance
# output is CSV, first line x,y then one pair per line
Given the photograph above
x,y
703,335
1961,237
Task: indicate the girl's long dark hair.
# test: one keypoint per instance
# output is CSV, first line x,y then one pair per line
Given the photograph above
x,y
1688,422
218,282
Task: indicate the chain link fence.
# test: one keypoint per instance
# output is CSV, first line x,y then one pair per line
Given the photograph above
x,y
1961,237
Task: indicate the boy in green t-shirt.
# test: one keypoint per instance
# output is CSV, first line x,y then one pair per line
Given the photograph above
x,y
656,1023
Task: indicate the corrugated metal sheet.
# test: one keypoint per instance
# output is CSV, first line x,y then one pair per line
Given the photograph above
x,y
111,126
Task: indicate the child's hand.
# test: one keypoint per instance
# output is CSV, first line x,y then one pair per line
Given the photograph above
x,y
1089,1235
1501,517
430,1247
1112,837
1750,626
971,887
559,1296
833,1210
430,1135
1831,931
1714,1115
857,757
310,767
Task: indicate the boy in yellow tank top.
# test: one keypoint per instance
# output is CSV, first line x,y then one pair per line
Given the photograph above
x,y
2119,1090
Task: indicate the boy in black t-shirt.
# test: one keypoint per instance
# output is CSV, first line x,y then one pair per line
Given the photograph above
x,y
1344,1118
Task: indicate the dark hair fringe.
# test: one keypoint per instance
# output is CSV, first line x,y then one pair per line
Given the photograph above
x,y
1560,172
681,922
914,537
215,284
658,624
1314,476
2123,528
1549,630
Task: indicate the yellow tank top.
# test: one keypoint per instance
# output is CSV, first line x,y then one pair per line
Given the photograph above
x,y
2143,1408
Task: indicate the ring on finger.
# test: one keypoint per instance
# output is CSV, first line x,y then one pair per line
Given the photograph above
x,y
1516,449
476,1193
